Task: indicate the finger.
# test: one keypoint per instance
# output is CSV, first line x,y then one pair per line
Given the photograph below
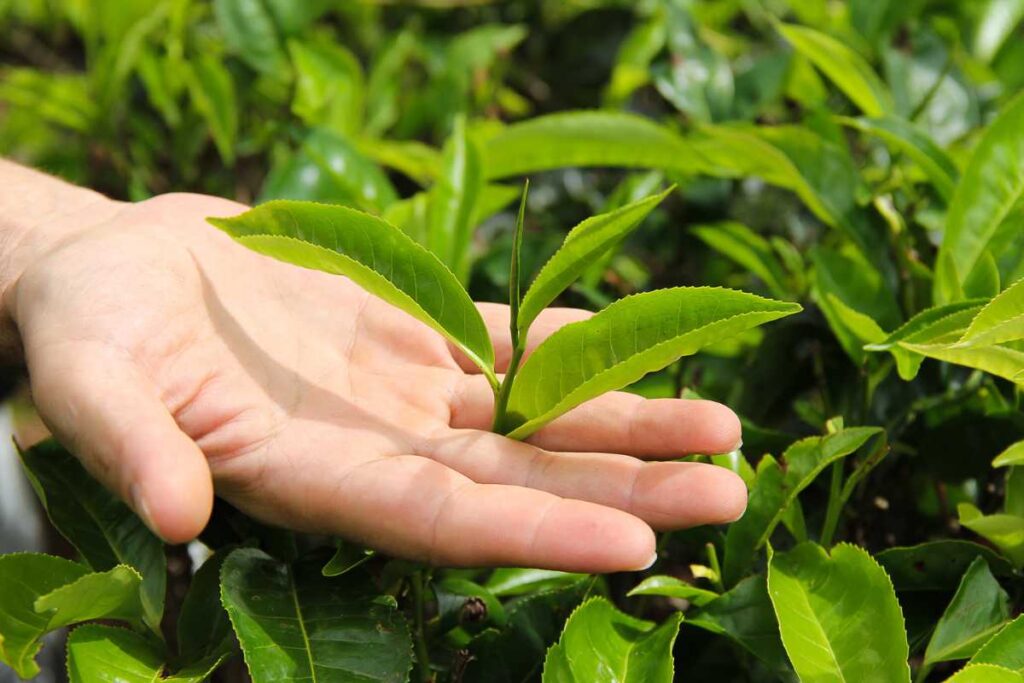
x,y
98,403
617,422
665,495
496,317
414,507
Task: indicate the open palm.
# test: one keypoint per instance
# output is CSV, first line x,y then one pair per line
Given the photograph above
x,y
174,362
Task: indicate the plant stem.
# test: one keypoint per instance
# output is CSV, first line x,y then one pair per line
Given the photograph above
x,y
715,566
835,505
501,402
422,653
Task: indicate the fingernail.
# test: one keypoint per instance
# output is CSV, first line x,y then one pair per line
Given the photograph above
x,y
140,507
739,444
654,558
739,516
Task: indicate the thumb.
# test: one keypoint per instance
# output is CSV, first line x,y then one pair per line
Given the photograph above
x,y
101,406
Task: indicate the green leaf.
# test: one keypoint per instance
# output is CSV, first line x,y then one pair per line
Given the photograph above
x,y
375,255
452,202
936,565
671,587
744,246
420,162
515,653
745,615
903,136
776,488
985,673
204,629
927,326
838,615
461,602
62,99
346,558
979,608
294,623
1013,455
1005,648
844,67
600,643
213,94
584,243
1001,361
24,578
249,29
329,86
105,654
1000,320
97,523
507,581
1006,532
632,337
114,594
992,184
586,138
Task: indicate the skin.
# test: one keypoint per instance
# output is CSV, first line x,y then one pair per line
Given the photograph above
x,y
176,364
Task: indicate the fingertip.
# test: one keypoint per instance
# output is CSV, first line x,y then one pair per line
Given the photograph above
x,y
720,427
732,495
175,504
596,539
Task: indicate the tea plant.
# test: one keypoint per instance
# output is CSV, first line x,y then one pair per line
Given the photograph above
x,y
863,159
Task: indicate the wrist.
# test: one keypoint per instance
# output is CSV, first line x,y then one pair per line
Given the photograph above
x,y
37,212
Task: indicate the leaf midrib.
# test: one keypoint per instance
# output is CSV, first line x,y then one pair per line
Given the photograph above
x,y
817,622
302,624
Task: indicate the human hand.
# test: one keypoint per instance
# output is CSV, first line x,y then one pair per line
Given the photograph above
x,y
174,362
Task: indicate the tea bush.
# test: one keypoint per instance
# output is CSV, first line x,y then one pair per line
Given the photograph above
x,y
861,161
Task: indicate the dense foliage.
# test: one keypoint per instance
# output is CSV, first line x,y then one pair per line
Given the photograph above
x,y
863,159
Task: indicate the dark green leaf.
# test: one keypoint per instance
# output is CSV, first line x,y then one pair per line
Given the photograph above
x,y
936,565
294,623
99,525
204,629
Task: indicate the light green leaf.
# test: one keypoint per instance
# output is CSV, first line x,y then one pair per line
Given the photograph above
x,y
992,184
294,623
452,202
941,322
903,136
744,614
996,24
979,608
1001,361
97,523
375,255
420,162
744,246
1006,532
213,94
1013,455
509,582
671,587
113,594
1000,320
24,578
1005,648
863,327
985,673
844,67
600,643
624,342
586,138
62,99
584,243
329,86
105,654
838,615
776,488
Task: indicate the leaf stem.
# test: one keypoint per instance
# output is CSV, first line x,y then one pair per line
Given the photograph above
x,y
501,402
419,636
835,505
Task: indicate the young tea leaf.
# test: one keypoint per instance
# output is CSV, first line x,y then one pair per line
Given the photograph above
x,y
1006,532
601,643
451,204
1005,648
671,587
624,342
838,615
375,255
584,243
750,250
294,623
979,608
985,673
1013,455
1000,320
940,322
